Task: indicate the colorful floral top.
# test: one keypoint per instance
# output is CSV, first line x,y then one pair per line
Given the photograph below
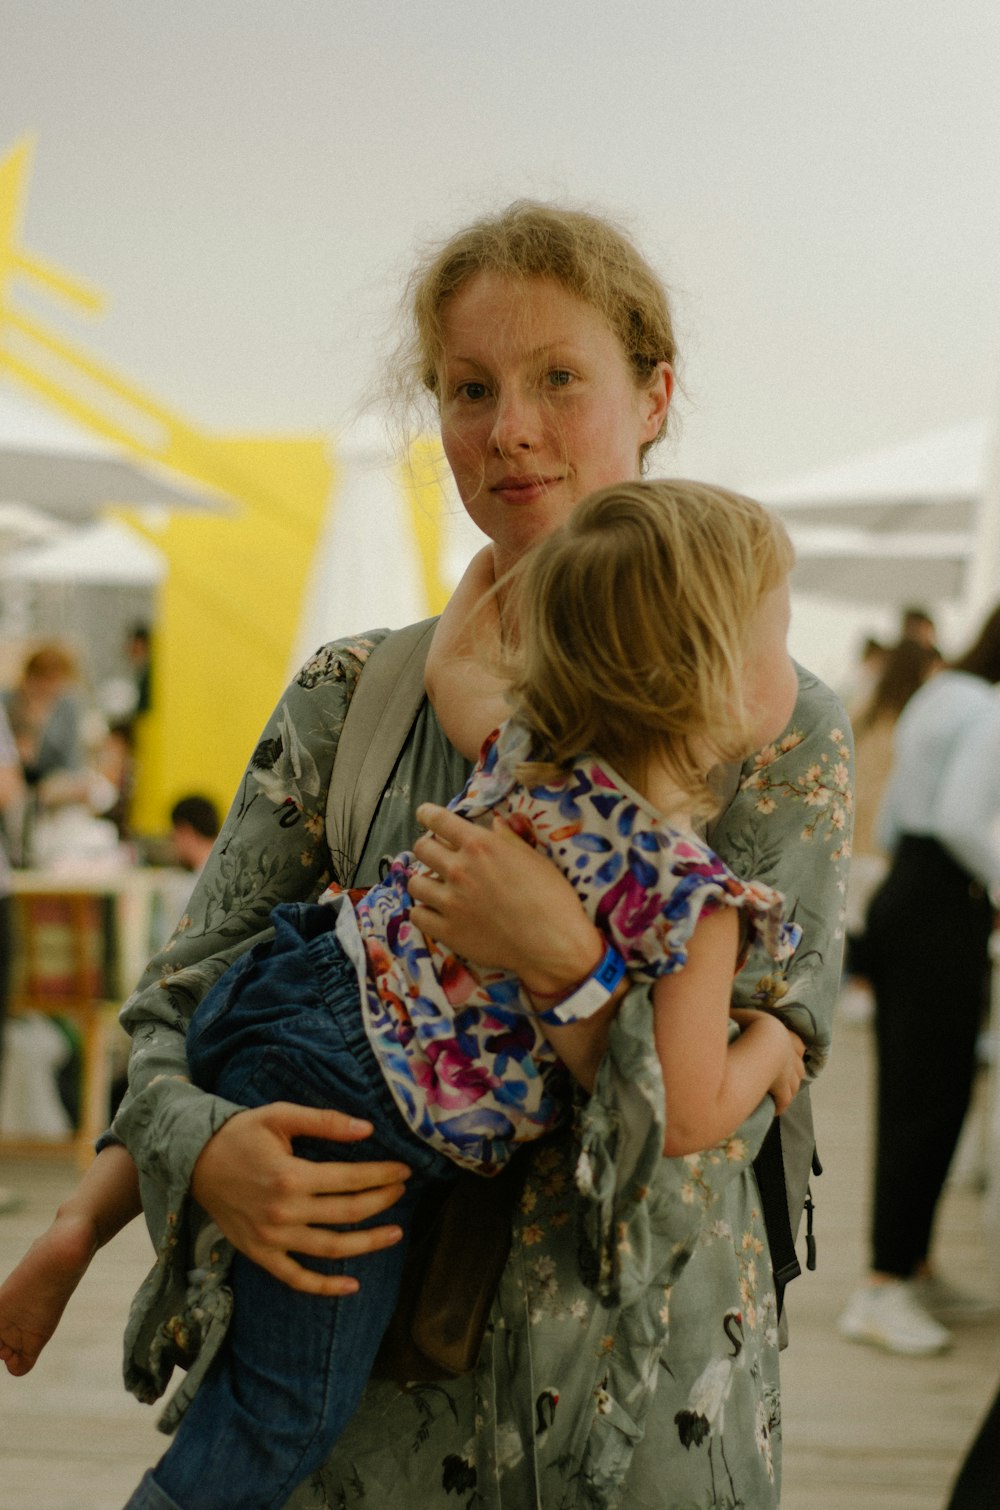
x,y
459,1045
586,1389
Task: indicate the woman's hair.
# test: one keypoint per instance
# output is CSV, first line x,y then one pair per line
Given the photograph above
x,y
907,666
634,619
584,253
49,663
983,656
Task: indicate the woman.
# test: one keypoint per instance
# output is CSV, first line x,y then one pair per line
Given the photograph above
x,y
906,667
545,341
926,952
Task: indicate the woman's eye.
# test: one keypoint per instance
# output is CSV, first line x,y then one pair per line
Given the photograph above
x,y
471,391
559,378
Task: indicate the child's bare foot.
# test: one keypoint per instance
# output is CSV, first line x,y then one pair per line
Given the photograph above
x,y
34,1295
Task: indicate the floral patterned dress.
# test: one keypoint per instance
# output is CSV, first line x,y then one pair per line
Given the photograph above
x,y
632,1355
458,1044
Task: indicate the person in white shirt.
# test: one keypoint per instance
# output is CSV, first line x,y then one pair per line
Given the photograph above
x,y
927,939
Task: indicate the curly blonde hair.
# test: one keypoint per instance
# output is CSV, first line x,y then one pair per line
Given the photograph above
x,y
634,620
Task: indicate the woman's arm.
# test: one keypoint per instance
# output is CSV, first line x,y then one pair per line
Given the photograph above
x,y
468,700
272,849
967,818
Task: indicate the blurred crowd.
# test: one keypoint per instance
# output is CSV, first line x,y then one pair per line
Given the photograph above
x,y
67,775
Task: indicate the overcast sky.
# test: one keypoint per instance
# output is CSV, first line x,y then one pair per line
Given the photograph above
x,y
246,180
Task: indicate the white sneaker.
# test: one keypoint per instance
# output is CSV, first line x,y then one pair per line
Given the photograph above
x,y
856,1002
890,1316
945,1302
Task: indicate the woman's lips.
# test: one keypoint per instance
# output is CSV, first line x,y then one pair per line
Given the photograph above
x,y
518,489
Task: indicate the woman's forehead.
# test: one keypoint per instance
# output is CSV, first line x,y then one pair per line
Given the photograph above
x,y
530,315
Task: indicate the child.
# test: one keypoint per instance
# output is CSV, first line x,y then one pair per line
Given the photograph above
x,y
652,629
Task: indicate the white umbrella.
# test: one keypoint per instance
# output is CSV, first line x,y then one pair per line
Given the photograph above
x,y
103,552
897,525
22,525
52,463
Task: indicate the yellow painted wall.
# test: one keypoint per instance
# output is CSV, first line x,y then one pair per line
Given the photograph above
x,y
233,594
228,613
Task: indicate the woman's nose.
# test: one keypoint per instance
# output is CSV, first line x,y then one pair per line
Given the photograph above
x,y
516,423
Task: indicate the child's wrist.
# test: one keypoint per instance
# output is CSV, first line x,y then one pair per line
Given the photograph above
x,y
555,984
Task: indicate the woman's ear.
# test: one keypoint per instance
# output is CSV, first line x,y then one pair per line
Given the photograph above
x,y
656,397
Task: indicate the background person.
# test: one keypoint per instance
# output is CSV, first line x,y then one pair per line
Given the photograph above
x,y
906,668
194,828
917,624
926,944
545,343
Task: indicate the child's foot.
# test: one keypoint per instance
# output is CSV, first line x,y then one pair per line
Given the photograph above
x,y
34,1295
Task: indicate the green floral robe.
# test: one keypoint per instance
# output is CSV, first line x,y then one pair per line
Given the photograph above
x,y
654,1384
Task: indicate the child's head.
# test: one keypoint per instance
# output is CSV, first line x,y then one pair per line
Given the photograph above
x,y
637,618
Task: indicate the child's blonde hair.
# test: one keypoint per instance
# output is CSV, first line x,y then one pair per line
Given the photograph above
x,y
634,620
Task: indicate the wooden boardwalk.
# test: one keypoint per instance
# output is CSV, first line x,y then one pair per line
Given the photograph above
x,y
863,1430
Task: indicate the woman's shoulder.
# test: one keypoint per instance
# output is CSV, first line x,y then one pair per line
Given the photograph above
x,y
339,660
817,704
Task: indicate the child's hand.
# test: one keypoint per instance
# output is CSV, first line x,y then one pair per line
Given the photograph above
x,y
791,1074
792,1070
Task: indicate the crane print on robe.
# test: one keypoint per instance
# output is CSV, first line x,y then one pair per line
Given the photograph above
x,y
703,1416
283,771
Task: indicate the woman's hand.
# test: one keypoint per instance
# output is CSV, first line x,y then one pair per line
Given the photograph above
x,y
269,1203
493,899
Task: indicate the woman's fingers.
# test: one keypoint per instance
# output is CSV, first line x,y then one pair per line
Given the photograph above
x,y
266,1200
495,899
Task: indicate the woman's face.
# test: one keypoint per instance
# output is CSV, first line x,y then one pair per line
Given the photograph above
x,y
539,406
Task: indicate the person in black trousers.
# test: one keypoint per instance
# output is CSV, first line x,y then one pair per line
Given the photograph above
x,y
926,953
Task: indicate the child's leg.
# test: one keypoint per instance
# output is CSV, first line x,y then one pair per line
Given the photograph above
x,y
287,1381
35,1293
286,1026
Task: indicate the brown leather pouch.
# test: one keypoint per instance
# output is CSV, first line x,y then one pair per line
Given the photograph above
x,y
458,1248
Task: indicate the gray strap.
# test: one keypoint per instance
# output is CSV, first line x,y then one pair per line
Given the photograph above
x,y
385,703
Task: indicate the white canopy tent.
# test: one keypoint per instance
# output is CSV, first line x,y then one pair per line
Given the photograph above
x,y
367,571
916,523
51,463
902,524
102,552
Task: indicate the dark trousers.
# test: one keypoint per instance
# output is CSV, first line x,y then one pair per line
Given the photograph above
x,y
976,1485
927,953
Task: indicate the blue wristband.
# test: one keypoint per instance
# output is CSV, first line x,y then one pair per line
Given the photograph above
x,y
591,995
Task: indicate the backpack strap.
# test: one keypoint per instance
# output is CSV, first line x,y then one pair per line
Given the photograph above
x,y
386,700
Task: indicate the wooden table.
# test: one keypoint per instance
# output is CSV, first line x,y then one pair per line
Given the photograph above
x,y
139,903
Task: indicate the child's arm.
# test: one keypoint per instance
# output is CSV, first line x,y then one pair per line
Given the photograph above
x,y
581,1045
467,699
710,1085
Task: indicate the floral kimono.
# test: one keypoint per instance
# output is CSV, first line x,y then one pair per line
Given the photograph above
x,y
632,1354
